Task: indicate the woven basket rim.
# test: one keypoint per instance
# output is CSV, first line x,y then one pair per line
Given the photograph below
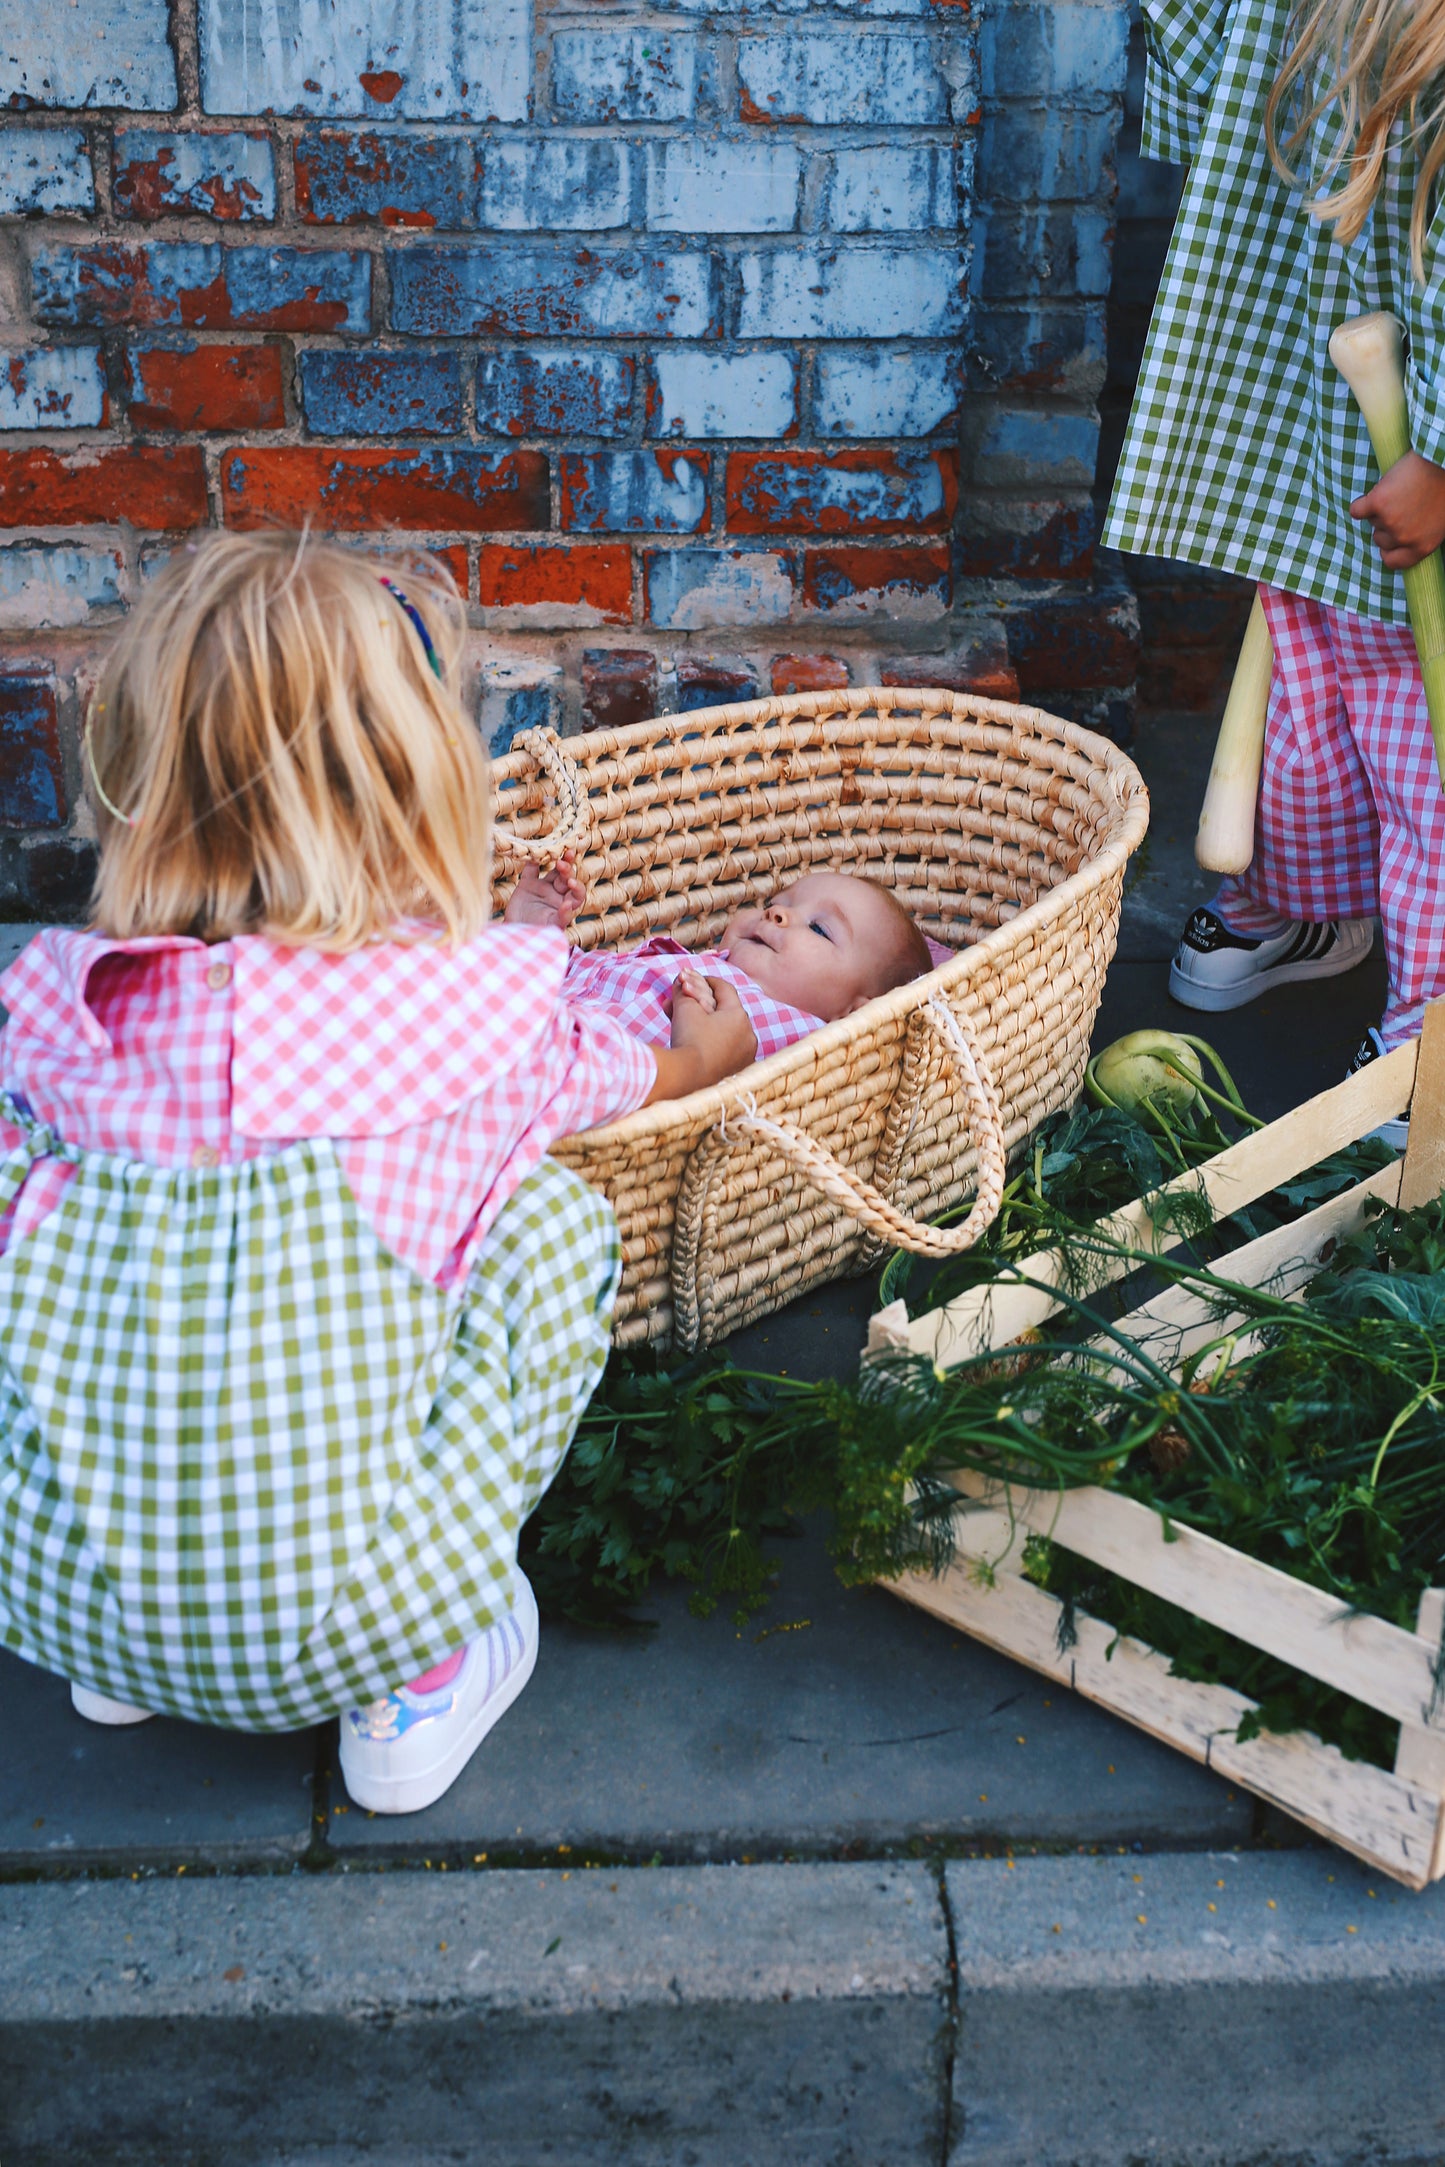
x,y
1125,781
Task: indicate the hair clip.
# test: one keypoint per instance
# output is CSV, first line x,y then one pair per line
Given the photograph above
x,y
127,820
417,619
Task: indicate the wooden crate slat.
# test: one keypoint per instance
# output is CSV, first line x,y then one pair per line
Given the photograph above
x,y
994,1315
1368,1658
1424,1176
1283,1260
1420,1755
1388,1821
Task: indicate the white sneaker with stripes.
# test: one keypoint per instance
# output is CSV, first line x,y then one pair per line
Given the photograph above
x,y
1214,967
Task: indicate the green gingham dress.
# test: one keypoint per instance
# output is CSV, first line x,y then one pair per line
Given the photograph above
x,y
254,1467
1245,446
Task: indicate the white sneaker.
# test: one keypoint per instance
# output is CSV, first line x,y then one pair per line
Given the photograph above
x,y
1395,1134
402,1753
1215,968
97,1709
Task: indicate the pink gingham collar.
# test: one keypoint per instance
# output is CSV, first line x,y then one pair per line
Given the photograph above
x,y
373,1042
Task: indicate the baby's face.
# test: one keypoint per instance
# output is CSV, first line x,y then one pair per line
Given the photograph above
x,y
822,945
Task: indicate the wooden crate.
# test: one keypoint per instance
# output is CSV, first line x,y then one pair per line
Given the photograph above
x,y
1395,1821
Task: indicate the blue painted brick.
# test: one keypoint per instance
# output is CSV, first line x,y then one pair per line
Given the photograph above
x,y
739,185
44,169
52,387
709,395
886,391
56,583
50,55
381,394
851,293
872,9
204,285
607,75
543,292
387,177
368,59
1037,254
32,787
226,176
570,184
555,391
1058,153
518,693
809,76
1030,448
634,492
1053,51
891,188
691,589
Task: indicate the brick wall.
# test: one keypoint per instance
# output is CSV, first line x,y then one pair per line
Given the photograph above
x,y
717,344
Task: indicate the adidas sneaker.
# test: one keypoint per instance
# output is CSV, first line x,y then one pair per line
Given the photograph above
x,y
1214,967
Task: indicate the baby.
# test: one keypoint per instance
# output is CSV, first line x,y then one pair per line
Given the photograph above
x,y
817,951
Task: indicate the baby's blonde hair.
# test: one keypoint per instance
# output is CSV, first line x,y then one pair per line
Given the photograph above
x,y
1375,60
283,756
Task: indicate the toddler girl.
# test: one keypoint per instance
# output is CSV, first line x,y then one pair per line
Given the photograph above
x,y
298,1316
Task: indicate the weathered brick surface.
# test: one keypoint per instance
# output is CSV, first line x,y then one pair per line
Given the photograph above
x,y
658,320
367,393
555,391
52,387
205,387
842,492
151,487
634,492
472,492
45,169
32,780
221,176
359,177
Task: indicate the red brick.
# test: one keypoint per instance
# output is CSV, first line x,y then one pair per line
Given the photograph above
x,y
468,491
703,681
857,582
898,491
206,387
151,486
808,673
980,665
590,576
456,563
619,685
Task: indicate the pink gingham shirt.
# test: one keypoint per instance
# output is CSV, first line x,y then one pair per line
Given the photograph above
x,y
635,985
441,1077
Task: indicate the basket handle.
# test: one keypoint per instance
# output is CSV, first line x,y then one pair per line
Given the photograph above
x,y
573,817
868,1205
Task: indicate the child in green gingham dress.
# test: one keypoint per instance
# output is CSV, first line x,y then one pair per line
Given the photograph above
x,y
298,1317
1246,452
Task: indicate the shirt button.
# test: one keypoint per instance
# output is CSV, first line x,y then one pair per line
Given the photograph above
x,y
218,977
205,1155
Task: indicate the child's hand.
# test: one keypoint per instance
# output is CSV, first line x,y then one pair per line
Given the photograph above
x,y
711,1037
1406,508
546,898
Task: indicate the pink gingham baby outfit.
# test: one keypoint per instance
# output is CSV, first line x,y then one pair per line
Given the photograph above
x,y
634,986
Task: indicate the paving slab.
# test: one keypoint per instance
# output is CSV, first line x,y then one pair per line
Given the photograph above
x,y
74,1794
1225,2011
706,2016
836,1718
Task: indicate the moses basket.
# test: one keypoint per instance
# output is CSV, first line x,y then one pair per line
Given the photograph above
x,y
1004,831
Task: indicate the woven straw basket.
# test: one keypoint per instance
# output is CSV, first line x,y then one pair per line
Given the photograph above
x,y
1004,831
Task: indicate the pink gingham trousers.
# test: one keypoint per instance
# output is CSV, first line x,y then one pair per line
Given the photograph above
x,y
1351,816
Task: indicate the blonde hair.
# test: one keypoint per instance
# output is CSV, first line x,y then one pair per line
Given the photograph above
x,y
273,752
1374,60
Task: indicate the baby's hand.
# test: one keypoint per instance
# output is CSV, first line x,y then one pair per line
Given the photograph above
x,y
710,1023
546,898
